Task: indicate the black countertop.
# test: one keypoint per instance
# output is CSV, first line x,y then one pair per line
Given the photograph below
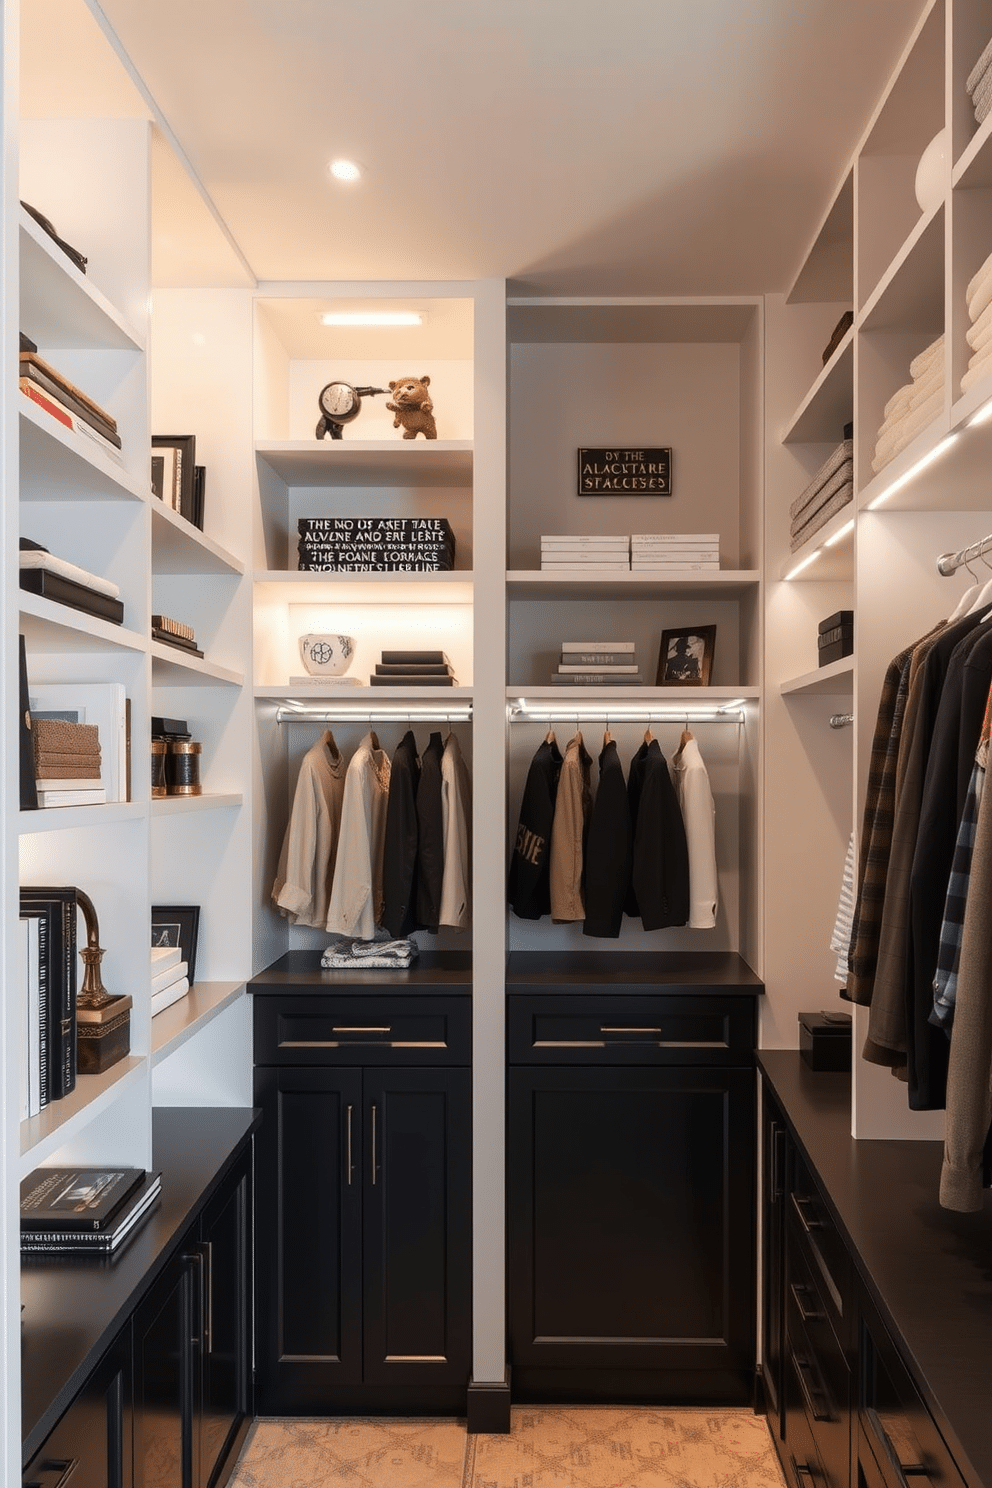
x,y
928,1269
723,972
431,972
75,1307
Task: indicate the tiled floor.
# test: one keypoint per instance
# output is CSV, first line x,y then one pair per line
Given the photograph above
x,y
565,1447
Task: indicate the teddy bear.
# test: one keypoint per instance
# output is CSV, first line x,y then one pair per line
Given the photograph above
x,y
413,407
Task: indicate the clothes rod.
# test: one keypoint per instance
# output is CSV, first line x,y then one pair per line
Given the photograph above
x,y
731,713
949,563
460,714
841,720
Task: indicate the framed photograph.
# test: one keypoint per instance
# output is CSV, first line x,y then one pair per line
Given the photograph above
x,y
686,656
174,479
177,925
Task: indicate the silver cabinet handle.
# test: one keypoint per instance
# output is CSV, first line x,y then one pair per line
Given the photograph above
x,y
349,1165
361,1028
630,1030
374,1143
902,1470
800,1293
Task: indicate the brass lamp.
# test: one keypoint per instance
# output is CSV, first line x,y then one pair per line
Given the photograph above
x,y
92,994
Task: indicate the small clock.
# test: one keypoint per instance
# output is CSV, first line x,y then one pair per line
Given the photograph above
x,y
340,404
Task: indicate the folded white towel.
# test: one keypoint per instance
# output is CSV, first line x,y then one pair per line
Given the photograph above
x,y
922,363
32,558
983,108
898,437
983,90
979,291
979,68
898,403
910,398
979,367
980,329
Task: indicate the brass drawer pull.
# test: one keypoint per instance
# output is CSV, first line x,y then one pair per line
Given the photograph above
x,y
631,1030
901,1469
355,1028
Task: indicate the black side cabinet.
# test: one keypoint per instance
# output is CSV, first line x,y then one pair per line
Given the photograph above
x,y
630,1166
363,1220
92,1442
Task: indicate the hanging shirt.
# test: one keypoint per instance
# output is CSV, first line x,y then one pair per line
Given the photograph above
x,y
302,887
660,872
456,816
399,874
356,894
573,801
608,849
840,940
529,887
430,836
692,785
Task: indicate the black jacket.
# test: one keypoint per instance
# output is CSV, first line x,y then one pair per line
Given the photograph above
x,y
660,872
430,835
399,868
529,888
608,849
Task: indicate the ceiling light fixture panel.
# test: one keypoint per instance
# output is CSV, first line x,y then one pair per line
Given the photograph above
x,y
372,318
344,170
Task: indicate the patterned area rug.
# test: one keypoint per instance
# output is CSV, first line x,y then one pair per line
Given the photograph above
x,y
561,1447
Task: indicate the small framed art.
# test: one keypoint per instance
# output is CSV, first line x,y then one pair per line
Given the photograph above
x,y
172,471
177,925
685,658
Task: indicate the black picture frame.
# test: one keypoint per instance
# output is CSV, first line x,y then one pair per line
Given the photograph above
x,y
176,483
685,657
177,925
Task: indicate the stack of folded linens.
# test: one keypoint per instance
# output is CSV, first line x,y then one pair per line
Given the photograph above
x,y
360,955
979,333
66,751
913,406
979,84
831,488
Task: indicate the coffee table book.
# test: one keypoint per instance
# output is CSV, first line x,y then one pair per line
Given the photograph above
x,y
75,1198
99,1242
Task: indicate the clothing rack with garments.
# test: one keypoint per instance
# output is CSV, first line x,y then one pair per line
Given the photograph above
x,y
949,563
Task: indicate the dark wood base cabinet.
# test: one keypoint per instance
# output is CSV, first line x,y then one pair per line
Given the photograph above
x,y
363,1220
630,1162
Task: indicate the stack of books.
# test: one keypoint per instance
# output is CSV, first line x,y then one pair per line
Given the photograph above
x,y
47,1007
175,633
674,550
170,976
376,545
598,664
413,669
67,763
41,572
68,404
583,551
84,1210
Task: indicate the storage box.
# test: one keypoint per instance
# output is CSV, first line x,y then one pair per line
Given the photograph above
x,y
825,1040
835,637
103,1035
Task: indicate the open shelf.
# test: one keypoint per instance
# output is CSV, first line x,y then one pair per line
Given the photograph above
x,y
837,677
58,1122
176,1024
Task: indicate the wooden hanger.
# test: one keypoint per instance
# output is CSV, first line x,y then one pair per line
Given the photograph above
x,y
683,741
374,738
330,745
549,737
648,735
607,736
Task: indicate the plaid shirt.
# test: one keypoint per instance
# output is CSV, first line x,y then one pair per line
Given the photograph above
x,y
945,982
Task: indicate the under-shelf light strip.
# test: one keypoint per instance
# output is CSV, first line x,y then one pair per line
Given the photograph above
x,y
457,713
949,563
537,712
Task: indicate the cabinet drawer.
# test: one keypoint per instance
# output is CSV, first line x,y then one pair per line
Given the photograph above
x,y
820,1384
818,1254
619,1028
898,1439
347,1030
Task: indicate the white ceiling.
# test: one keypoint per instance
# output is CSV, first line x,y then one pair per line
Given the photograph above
x,y
667,147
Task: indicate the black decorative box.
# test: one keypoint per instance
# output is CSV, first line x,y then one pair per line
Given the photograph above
x,y
825,1040
836,637
103,1035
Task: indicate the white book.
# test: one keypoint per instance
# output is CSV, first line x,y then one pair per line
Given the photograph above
x,y
578,671
102,703
585,539
709,538
51,798
596,646
655,565
87,783
573,564
33,558
163,957
169,995
164,979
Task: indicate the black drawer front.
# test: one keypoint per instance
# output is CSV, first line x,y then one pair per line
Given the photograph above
x,y
621,1028
821,1382
898,1439
812,1234
350,1030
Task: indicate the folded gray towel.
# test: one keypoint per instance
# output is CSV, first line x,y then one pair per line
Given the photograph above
x,y
834,505
833,462
980,66
815,500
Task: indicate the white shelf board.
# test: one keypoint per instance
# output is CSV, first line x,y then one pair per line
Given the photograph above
x,y
171,668
525,583
183,805
59,306
369,462
58,1122
910,294
180,548
836,678
287,586
57,464
829,404
362,700
833,562
63,818
957,480
49,626
176,1024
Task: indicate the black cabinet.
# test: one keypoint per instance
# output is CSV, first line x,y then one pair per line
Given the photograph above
x,y
630,1162
774,1152
191,1351
92,1442
364,1202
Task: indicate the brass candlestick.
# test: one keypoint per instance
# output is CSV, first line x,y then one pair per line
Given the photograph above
x,y
92,994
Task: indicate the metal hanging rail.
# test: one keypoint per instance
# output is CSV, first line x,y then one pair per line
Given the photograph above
x,y
431,713
841,720
520,710
949,563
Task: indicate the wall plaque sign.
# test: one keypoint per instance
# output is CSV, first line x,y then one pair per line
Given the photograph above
x,y
625,472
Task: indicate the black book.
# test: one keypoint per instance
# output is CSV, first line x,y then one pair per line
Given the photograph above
x,y
199,495
68,592
29,790
190,648
75,1198
127,1219
169,728
58,905
369,565
417,656
411,679
44,1069
63,393
413,668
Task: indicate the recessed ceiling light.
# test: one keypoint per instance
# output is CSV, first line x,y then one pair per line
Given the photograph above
x,y
372,318
344,170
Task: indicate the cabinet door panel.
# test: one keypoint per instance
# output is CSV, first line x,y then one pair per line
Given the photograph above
x,y
631,1217
91,1445
225,1323
417,1223
166,1382
310,1263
